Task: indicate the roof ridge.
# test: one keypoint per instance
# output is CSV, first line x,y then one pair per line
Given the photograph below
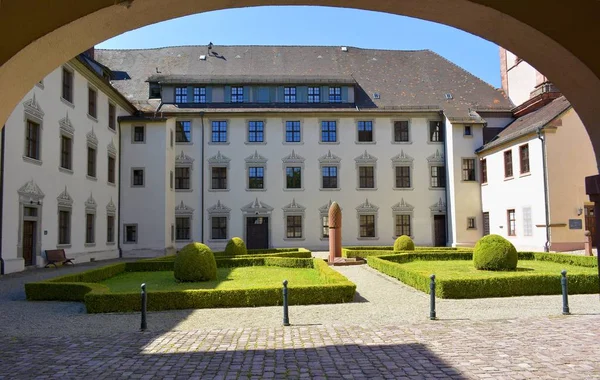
x,y
273,46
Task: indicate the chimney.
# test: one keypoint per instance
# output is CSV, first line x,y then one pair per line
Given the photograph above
x,y
90,53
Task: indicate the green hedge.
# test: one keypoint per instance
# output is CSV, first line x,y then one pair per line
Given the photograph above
x,y
62,291
255,252
364,253
582,261
93,275
391,248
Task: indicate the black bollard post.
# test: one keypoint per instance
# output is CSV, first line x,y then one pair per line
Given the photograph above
x,y
144,324
432,297
565,292
286,318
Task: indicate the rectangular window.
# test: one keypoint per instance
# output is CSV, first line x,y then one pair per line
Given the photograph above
x,y
219,228
365,131
219,131
138,177
314,95
67,85
111,169
172,232
139,134
110,229
30,211
182,178
468,131
511,220
219,178
171,138
438,176
366,177
91,162
293,177
401,131
325,226
32,140
64,227
66,147
436,132
256,177
328,131
171,180
471,225
289,95
256,131
154,89
484,171
292,131
182,228
335,94
92,101
329,177
183,131
527,222
403,225
468,169
89,228
180,94
237,94
294,227
112,116
367,226
524,158
131,235
402,177
199,94
508,166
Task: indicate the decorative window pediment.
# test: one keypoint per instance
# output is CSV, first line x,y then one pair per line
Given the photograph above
x,y
183,210
91,138
90,204
325,208
367,207
219,159
111,148
402,159
293,207
111,209
33,109
293,159
365,158
184,160
402,207
30,192
438,207
65,126
256,159
329,158
64,199
257,207
218,210
436,158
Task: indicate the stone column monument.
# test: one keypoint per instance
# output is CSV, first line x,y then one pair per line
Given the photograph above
x,y
335,233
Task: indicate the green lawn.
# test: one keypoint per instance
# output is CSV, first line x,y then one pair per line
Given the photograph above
x,y
227,278
464,269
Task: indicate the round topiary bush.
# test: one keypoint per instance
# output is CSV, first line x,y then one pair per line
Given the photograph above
x,y
493,252
236,246
195,262
404,243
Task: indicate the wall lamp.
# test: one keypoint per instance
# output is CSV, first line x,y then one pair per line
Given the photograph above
x,y
579,211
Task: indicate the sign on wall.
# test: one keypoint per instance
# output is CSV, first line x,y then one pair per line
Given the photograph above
x,y
575,224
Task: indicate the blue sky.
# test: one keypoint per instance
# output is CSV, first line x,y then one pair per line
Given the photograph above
x,y
294,25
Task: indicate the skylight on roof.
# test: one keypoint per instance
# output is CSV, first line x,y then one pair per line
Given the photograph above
x,y
448,95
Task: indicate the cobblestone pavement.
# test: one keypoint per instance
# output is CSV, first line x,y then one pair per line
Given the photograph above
x,y
560,347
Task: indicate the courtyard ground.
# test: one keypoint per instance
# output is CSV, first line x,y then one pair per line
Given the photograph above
x,y
384,334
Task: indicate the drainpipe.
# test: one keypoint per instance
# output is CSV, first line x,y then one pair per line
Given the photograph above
x,y
545,171
120,155
202,179
2,147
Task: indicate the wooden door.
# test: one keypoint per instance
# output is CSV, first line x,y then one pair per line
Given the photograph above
x,y
439,230
590,223
257,232
28,241
486,223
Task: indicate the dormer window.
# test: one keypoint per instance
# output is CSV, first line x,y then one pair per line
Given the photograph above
x,y
237,94
335,94
181,95
289,94
199,94
314,94
154,91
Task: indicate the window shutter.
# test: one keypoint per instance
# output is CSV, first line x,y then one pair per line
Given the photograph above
x,y
324,94
279,94
247,90
190,94
255,94
208,94
344,94
302,94
263,95
272,94
227,94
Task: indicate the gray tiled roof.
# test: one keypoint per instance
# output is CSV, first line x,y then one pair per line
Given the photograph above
x,y
402,78
529,123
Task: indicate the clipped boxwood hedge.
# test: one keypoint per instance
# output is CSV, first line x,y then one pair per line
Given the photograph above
x,y
536,284
383,251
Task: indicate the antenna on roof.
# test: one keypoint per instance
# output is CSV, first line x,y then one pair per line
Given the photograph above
x,y
157,71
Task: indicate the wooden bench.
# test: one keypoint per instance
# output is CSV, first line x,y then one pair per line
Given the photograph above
x,y
54,256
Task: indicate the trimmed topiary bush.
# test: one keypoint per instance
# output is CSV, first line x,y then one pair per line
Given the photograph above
x,y
195,262
404,243
493,252
236,246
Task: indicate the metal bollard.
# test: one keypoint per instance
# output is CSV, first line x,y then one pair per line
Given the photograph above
x,y
432,297
144,324
286,318
565,292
